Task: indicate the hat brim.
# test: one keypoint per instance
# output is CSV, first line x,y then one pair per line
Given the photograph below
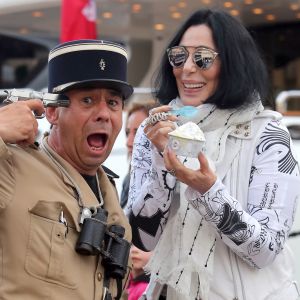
x,y
124,88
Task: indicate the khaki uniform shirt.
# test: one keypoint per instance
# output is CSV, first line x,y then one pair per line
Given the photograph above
x,y
37,252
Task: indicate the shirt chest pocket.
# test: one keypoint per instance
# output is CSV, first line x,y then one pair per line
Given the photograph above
x,y
51,254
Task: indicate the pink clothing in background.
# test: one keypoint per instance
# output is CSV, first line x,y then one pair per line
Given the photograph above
x,y
137,286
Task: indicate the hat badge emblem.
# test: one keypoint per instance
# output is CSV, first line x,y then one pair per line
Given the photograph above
x,y
102,64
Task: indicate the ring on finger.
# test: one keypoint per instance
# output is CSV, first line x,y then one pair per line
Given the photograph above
x,y
151,111
157,117
172,172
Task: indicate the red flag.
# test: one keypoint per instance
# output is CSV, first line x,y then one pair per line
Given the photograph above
x,y
78,20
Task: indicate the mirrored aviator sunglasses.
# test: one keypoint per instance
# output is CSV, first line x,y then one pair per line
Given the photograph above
x,y
202,57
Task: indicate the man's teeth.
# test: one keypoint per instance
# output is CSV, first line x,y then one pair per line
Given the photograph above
x,y
193,85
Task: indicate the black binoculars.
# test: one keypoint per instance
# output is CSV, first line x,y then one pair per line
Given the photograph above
x,y
95,238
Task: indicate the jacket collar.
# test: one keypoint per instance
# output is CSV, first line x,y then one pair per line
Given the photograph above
x,y
71,177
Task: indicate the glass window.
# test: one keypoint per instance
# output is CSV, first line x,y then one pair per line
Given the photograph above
x,y
20,61
281,50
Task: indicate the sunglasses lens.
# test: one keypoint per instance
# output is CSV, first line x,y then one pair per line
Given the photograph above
x,y
204,58
177,57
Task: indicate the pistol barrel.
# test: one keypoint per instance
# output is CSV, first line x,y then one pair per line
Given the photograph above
x,y
48,99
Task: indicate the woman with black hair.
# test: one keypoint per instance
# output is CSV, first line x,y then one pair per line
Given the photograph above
x,y
218,222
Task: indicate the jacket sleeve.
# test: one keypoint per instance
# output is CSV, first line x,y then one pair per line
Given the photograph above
x,y
150,193
258,233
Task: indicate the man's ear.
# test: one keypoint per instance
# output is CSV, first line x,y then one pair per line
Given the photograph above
x,y
52,115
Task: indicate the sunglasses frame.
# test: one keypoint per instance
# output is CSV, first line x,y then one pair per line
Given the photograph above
x,y
187,53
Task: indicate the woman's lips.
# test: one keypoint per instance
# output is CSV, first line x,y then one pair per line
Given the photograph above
x,y
193,85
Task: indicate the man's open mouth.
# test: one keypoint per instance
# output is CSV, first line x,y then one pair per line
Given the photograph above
x,y
97,140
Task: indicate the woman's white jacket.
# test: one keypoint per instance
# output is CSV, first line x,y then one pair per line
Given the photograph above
x,y
258,184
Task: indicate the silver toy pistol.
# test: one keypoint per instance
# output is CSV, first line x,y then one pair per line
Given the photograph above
x,y
48,99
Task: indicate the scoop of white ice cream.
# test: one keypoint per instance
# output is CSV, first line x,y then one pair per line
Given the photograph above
x,y
190,131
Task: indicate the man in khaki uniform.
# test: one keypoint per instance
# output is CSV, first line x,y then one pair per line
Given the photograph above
x,y
50,192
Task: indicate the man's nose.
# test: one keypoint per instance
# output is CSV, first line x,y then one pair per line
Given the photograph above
x,y
102,111
130,140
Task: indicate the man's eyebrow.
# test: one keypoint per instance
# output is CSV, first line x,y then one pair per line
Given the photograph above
x,y
115,93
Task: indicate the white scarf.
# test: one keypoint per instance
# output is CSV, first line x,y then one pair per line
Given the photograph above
x,y
187,272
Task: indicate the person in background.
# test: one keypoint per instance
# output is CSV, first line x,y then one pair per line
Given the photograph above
x,y
137,111
138,281
57,204
219,222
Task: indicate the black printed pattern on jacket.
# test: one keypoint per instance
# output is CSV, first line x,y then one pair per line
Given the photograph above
x,y
257,234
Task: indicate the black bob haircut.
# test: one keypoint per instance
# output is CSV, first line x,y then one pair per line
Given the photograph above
x,y
243,74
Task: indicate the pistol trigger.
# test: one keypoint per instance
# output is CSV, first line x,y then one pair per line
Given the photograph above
x,y
39,116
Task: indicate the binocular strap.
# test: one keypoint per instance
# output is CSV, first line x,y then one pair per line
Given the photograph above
x,y
106,293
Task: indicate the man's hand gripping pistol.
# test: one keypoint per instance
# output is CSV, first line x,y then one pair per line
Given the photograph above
x,y
49,100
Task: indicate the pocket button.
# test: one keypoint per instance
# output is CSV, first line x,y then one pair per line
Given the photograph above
x,y
99,276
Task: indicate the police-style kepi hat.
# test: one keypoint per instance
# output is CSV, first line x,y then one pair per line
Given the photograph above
x,y
88,63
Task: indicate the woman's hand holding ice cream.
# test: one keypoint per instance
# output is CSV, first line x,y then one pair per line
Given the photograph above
x,y
200,180
188,140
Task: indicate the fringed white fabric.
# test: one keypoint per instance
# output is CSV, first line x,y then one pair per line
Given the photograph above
x,y
187,262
